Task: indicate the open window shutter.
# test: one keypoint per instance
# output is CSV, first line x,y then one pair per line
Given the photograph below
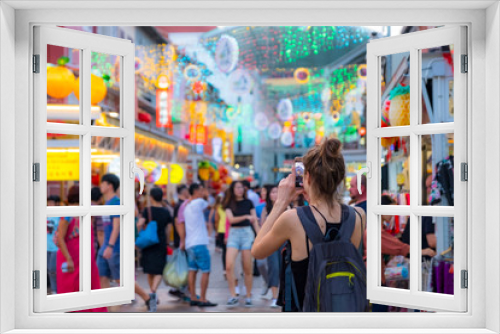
x,y
421,293
83,45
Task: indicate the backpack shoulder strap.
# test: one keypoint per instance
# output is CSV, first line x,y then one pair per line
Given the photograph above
x,y
348,223
311,228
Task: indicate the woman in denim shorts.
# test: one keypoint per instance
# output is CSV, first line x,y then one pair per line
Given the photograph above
x,y
240,213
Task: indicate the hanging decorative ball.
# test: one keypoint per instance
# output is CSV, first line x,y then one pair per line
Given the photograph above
x,y
204,174
241,82
227,53
198,87
162,81
301,75
60,79
261,121
274,130
362,131
399,111
98,89
286,138
285,109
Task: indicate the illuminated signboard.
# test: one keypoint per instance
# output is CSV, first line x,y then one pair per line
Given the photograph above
x,y
63,166
163,118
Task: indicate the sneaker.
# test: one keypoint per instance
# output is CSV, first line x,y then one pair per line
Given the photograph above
x,y
237,290
248,302
232,301
147,304
194,303
176,293
206,304
152,302
274,304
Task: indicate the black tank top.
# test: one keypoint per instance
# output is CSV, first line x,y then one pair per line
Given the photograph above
x,y
299,268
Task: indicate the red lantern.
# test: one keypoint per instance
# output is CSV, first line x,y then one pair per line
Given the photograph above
x,y
144,117
362,131
198,87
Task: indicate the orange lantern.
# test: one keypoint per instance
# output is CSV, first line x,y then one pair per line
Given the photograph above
x,y
60,80
98,89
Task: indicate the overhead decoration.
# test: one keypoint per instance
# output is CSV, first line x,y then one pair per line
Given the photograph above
x,y
399,111
163,113
192,72
162,81
156,60
301,75
241,82
144,117
98,89
198,87
106,66
285,109
60,79
274,130
261,121
385,114
227,53
286,138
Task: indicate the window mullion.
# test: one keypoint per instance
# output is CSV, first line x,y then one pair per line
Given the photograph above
x,y
414,167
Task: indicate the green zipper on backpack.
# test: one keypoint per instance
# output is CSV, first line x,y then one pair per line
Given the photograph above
x,y
337,274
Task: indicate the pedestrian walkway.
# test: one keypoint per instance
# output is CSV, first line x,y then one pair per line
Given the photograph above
x,y
218,292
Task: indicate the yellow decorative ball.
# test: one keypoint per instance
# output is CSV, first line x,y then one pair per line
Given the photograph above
x,y
98,89
399,112
60,81
204,174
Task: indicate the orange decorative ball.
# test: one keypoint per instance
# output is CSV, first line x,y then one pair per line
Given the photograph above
x,y
60,81
98,89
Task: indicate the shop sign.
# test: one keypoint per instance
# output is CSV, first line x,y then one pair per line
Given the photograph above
x,y
198,134
217,149
163,118
63,166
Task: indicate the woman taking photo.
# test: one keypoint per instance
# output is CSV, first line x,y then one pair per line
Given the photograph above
x,y
240,213
273,261
324,172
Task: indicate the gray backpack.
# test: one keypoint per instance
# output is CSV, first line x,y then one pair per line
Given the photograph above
x,y
336,278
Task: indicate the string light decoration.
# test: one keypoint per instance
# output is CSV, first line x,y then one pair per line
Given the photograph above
x,y
156,60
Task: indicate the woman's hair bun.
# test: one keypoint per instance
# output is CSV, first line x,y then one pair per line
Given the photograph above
x,y
330,148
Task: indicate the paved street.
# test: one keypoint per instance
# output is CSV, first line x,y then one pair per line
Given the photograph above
x,y
218,292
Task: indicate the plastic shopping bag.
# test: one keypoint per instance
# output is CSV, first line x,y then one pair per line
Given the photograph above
x,y
175,273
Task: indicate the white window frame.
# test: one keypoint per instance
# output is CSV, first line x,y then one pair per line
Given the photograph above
x,y
483,293
85,43
413,43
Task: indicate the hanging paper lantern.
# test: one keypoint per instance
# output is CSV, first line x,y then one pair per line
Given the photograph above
x,y
98,89
362,131
60,79
227,53
261,121
144,117
274,130
399,112
286,138
285,109
301,75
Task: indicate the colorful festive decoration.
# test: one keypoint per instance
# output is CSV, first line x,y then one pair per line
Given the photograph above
x,y
385,114
98,89
301,75
176,174
198,87
156,60
241,82
204,170
226,53
399,112
162,81
274,130
286,138
60,79
144,117
362,131
163,114
261,121
192,72
285,109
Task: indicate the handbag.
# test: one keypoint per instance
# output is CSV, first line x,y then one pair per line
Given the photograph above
x,y
149,236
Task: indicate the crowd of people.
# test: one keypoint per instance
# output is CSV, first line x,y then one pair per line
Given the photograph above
x,y
276,231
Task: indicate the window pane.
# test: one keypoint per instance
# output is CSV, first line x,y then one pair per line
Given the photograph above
x,y
437,85
63,271
105,89
437,169
395,252
105,258
395,89
395,169
63,70
106,169
437,271
63,167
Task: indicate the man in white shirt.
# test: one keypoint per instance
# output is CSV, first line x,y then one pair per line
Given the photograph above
x,y
196,243
252,195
